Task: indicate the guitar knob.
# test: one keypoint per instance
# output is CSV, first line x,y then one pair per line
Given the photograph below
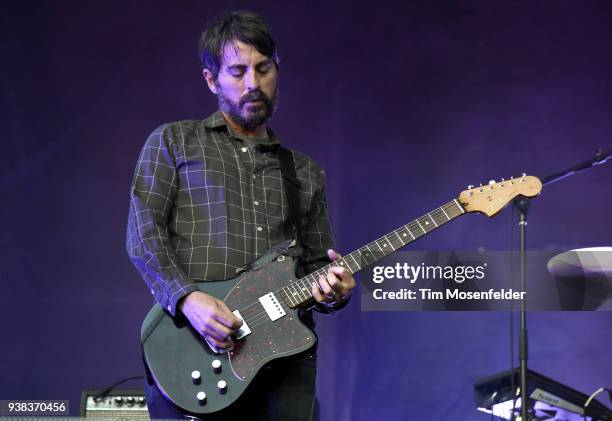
x,y
130,401
119,401
201,397
222,386
216,365
196,376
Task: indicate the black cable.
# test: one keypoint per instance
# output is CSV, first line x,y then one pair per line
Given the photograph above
x,y
106,391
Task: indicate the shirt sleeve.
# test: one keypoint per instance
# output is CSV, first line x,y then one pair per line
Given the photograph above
x,y
148,243
317,237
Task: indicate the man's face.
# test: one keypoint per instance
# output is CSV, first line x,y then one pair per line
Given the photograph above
x,y
247,85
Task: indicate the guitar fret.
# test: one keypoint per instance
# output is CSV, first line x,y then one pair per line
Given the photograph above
x,y
445,214
440,217
291,303
389,243
397,242
459,206
343,263
451,211
400,238
432,220
294,292
300,290
384,246
411,228
452,208
304,288
409,232
372,257
363,256
356,263
417,221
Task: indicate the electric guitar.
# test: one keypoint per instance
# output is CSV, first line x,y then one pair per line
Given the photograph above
x,y
198,381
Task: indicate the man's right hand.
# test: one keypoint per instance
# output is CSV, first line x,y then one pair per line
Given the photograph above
x,y
211,318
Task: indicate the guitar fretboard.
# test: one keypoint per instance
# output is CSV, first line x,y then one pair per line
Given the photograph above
x,y
298,293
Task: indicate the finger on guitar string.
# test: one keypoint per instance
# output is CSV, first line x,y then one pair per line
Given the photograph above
x,y
340,280
321,296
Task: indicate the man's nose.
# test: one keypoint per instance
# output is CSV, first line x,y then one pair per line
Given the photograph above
x,y
252,80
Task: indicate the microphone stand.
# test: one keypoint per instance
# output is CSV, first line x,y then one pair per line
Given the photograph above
x,y
522,205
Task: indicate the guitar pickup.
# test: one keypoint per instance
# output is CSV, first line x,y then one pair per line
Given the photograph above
x,y
272,306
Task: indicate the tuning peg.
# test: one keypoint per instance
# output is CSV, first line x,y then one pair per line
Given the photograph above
x,y
523,175
491,182
480,188
470,187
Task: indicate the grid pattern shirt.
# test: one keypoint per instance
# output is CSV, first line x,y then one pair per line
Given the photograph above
x,y
205,202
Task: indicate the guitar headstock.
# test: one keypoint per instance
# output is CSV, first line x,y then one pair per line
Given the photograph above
x,y
494,196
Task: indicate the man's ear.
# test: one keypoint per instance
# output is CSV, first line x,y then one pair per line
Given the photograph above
x,y
210,80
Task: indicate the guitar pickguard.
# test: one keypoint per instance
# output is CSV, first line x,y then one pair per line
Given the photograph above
x,y
270,339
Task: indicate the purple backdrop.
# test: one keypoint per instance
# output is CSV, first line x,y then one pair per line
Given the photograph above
x,y
402,104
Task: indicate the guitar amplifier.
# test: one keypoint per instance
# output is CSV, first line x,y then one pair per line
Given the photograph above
x,y
116,405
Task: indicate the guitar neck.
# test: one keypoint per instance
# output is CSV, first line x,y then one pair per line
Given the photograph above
x,y
298,293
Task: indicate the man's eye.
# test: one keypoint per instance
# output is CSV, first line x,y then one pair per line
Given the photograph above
x,y
237,72
263,70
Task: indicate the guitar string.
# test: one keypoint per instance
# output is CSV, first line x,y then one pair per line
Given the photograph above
x,y
257,315
257,312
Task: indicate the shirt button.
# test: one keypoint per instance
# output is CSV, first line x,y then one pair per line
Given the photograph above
x,y
259,229
256,203
254,176
243,149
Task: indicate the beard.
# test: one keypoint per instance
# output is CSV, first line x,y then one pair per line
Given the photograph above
x,y
246,114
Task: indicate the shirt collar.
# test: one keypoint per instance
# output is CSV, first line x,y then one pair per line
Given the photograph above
x,y
217,121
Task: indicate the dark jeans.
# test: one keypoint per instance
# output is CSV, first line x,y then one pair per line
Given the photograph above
x,y
283,391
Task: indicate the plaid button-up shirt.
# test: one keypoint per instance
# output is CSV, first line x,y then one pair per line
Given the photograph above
x,y
205,202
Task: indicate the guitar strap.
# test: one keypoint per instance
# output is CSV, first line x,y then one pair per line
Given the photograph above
x,y
292,190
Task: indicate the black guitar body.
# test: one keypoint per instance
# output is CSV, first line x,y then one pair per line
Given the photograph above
x,y
173,350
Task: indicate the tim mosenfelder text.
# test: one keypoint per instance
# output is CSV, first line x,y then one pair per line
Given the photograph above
x,y
459,274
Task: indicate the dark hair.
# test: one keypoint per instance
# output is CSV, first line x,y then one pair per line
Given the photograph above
x,y
230,27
